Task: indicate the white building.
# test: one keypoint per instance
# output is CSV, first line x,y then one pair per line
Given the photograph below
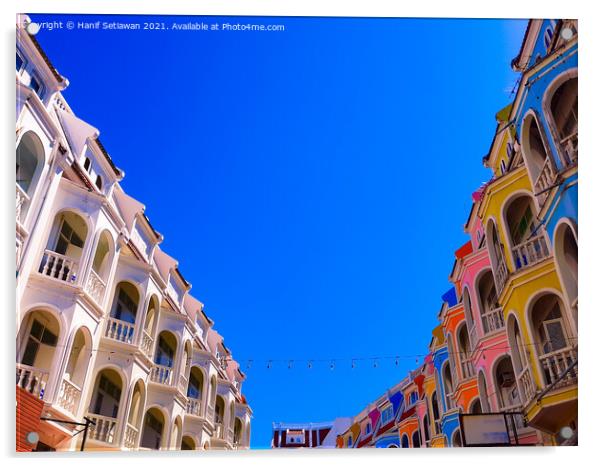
x,y
106,327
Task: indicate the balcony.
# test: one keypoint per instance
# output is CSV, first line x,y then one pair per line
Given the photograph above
x,y
501,273
467,369
193,406
519,419
95,287
493,320
32,379
525,381
555,364
130,437
472,336
545,180
183,384
104,429
568,149
161,374
119,330
230,435
210,412
59,267
530,252
69,397
22,200
147,344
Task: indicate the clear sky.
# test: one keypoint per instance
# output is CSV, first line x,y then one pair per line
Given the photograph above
x,y
313,183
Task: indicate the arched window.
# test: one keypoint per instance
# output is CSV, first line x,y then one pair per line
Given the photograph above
x,y
30,159
492,316
464,350
123,313
566,255
506,387
152,432
166,349
436,414
448,386
405,443
563,107
64,248
495,248
416,439
105,402
187,443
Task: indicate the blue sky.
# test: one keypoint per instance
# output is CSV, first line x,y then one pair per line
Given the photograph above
x,y
313,183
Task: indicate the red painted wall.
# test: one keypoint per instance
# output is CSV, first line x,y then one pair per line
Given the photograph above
x,y
29,410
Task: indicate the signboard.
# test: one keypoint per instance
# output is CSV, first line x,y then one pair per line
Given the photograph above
x,y
488,429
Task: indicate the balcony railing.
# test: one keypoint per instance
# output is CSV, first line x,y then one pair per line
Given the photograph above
x,y
568,147
119,330
493,320
105,428
95,287
555,363
519,419
131,436
451,403
161,374
219,429
183,384
193,406
69,397
526,383
467,368
230,435
22,200
545,179
59,267
531,252
501,273
210,412
32,379
472,336
147,344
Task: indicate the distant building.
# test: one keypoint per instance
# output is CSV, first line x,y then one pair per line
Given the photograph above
x,y
308,435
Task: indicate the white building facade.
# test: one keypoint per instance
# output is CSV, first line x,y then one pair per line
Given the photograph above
x,y
106,326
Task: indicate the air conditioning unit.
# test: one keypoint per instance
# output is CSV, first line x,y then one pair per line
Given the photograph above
x,y
506,379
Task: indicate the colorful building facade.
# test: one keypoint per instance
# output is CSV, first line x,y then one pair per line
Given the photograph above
x,y
107,329
507,335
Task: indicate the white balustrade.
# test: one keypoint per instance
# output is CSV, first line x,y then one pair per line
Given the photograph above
x,y
555,363
22,200
526,383
546,178
119,330
219,429
69,396
210,412
59,267
147,344
161,374
105,428
183,383
32,379
131,436
95,287
493,320
501,273
530,252
568,147
193,406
